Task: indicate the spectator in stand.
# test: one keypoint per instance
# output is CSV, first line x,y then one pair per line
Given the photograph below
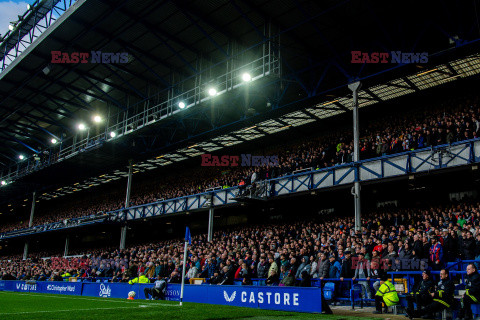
x,y
289,280
273,278
247,281
323,266
304,266
335,268
362,271
305,279
469,246
273,267
347,271
175,277
313,267
216,279
227,276
436,254
262,268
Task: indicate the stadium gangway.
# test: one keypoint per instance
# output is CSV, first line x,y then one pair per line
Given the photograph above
x,y
401,164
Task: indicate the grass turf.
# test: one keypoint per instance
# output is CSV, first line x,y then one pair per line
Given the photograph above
x,y
47,306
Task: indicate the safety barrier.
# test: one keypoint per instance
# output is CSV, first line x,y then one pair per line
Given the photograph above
x,y
389,166
271,298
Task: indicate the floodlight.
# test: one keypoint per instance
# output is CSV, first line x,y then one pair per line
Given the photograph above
x,y
212,92
246,77
53,141
81,126
97,119
113,134
21,157
11,27
181,104
4,182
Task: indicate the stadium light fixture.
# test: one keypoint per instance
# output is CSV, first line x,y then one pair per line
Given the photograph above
x,y
212,92
97,118
113,134
29,7
21,157
13,25
429,71
81,126
246,77
53,141
181,105
46,70
4,182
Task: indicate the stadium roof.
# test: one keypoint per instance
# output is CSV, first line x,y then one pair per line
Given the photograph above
x,y
177,49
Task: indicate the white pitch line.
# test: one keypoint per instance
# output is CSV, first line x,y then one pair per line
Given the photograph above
x,y
91,299
50,311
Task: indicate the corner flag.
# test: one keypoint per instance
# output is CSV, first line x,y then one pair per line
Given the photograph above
x,y
188,236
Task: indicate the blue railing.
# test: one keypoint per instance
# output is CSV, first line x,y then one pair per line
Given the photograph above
x,y
389,166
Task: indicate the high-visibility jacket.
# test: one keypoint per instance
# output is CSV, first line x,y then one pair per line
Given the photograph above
x,y
66,275
472,286
389,294
141,279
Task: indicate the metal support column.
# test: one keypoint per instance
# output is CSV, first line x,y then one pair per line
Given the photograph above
x,y
67,243
123,234
25,250
210,223
355,87
30,223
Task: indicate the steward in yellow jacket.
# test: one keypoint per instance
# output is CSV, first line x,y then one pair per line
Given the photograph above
x,y
386,293
140,279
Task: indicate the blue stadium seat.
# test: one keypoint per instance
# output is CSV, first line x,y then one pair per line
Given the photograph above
x,y
329,291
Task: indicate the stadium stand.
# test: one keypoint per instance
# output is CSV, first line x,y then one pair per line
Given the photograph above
x,y
437,235
361,215
426,126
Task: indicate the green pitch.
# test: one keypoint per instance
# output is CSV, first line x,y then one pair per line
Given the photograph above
x,y
47,306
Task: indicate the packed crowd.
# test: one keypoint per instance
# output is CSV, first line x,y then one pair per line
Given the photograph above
x,y
87,205
452,121
282,253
